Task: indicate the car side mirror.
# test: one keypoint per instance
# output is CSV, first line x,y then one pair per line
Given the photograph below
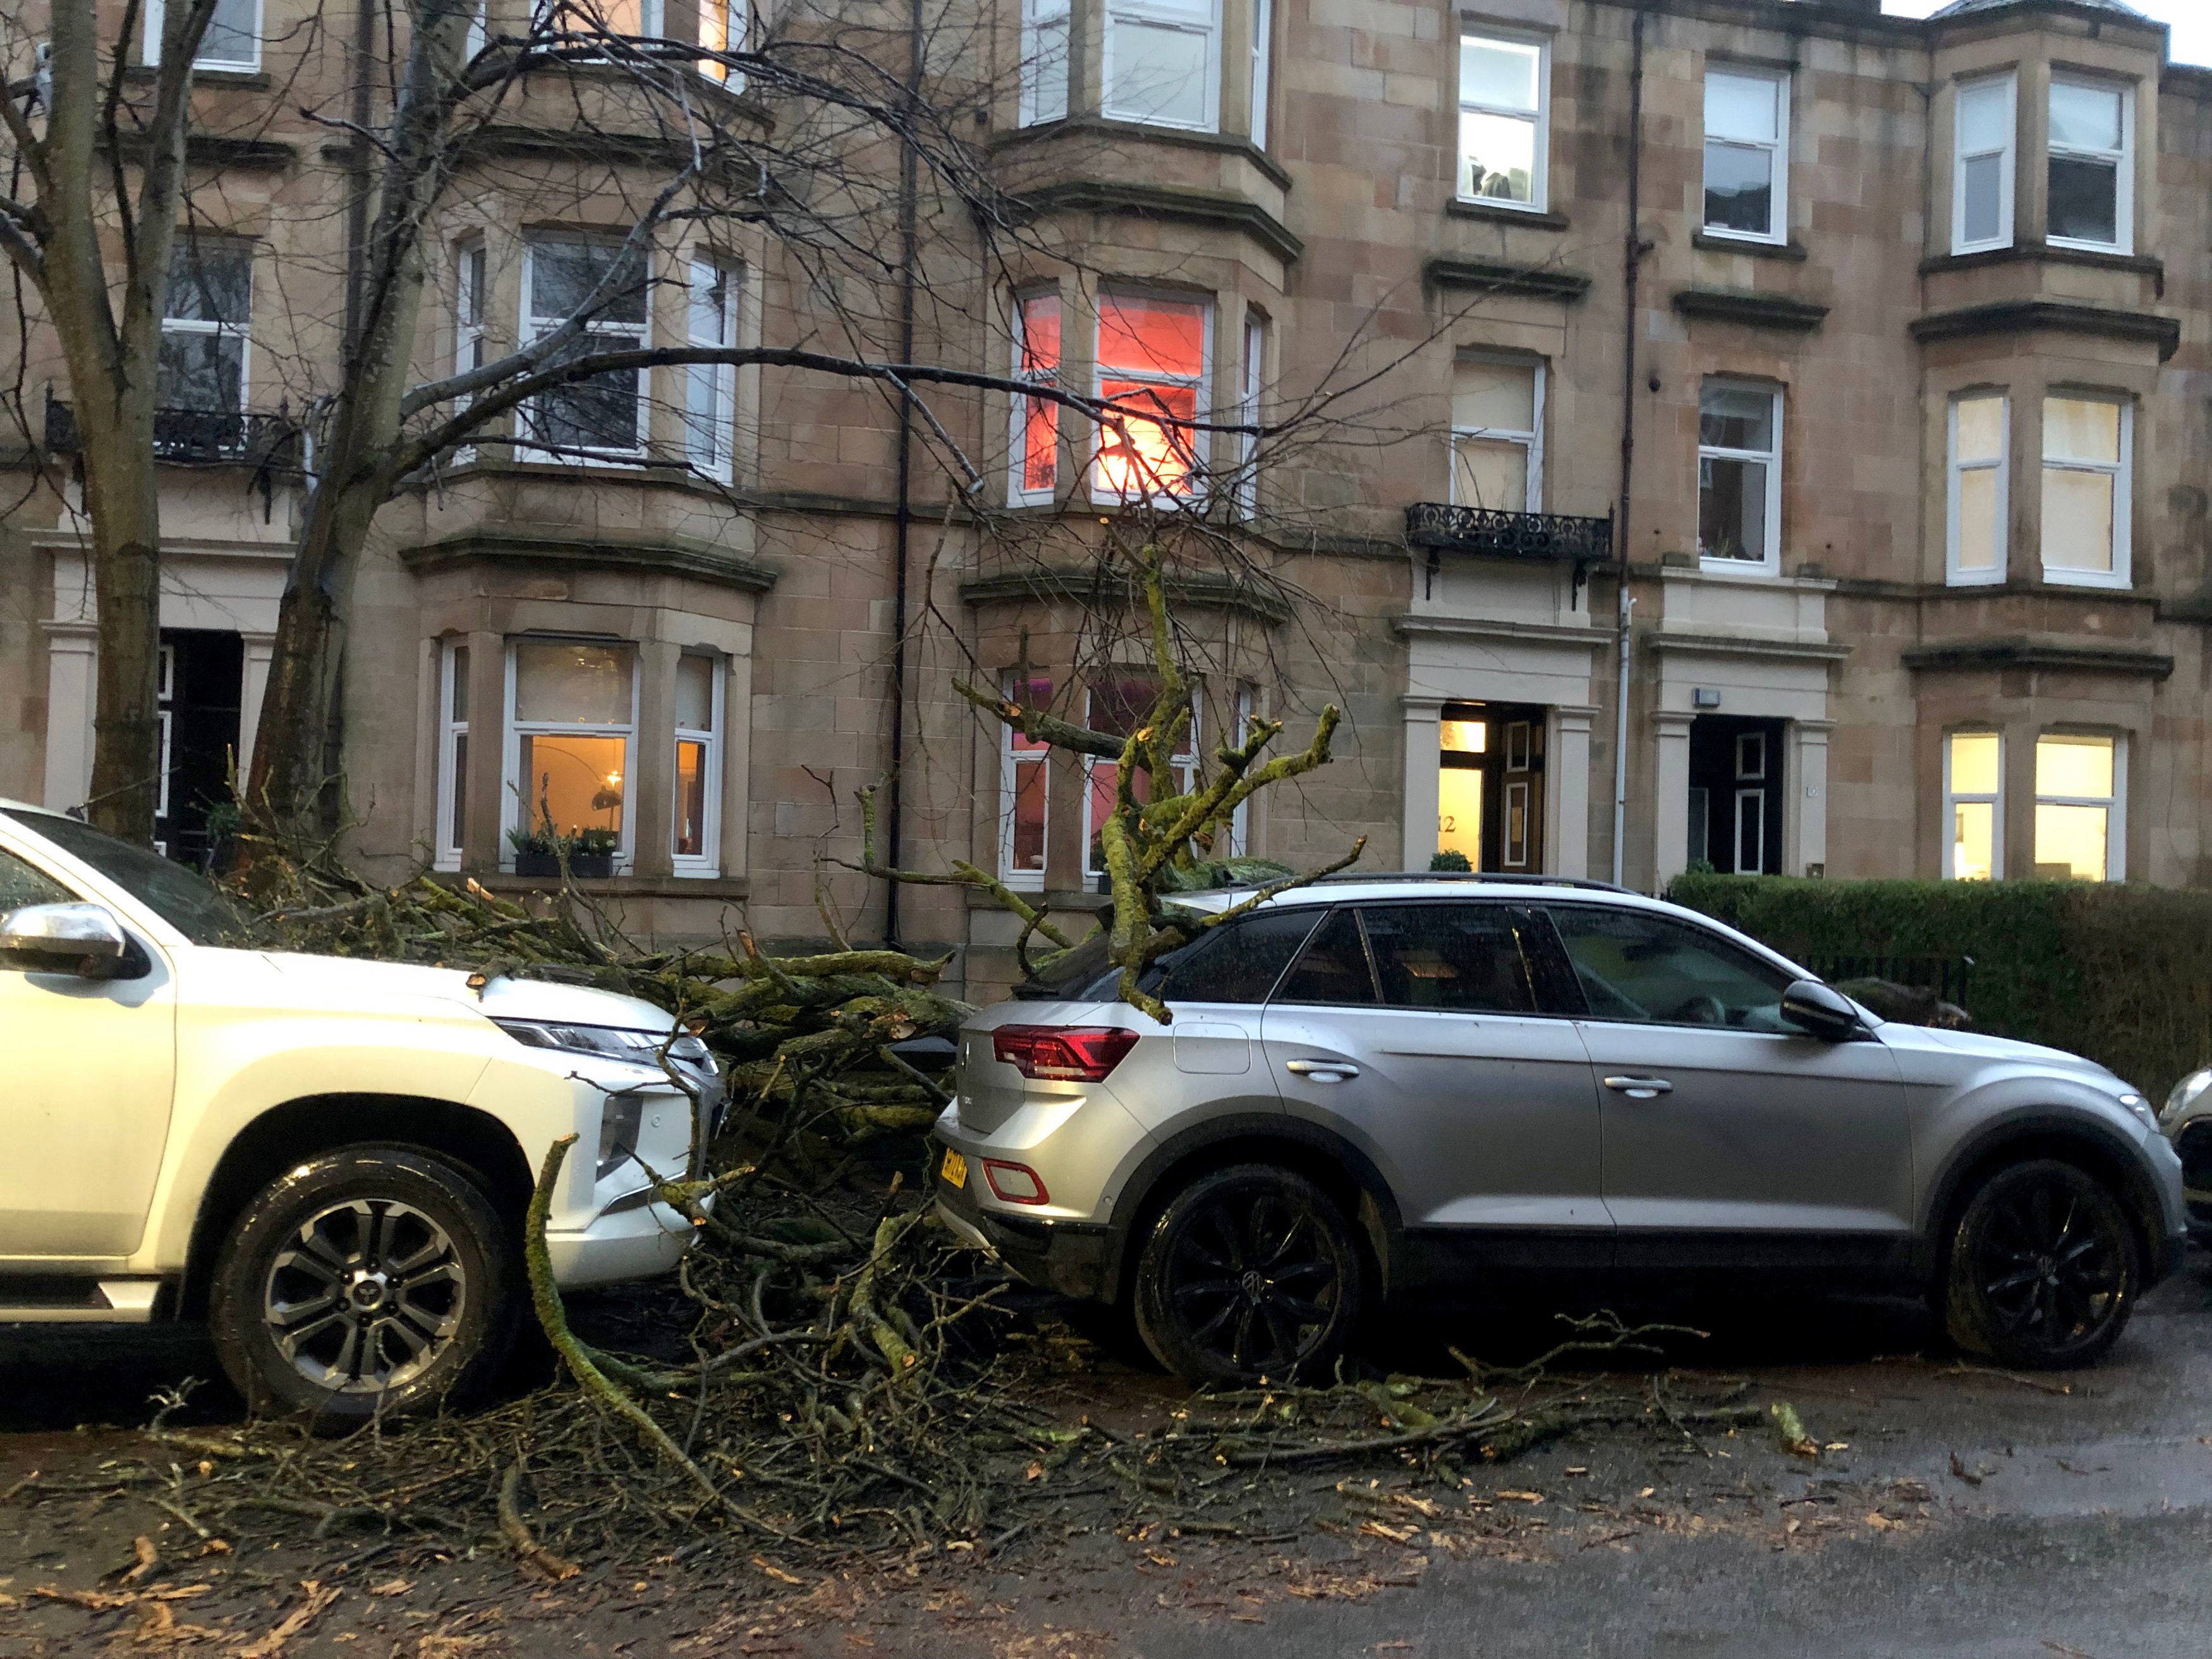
x,y
1821,1012
82,940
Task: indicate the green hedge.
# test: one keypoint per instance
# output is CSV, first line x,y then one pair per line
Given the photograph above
x,y
2122,973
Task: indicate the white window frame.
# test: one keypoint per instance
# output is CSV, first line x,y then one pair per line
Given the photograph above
x,y
1246,496
1018,493
1263,46
2006,183
1778,200
2122,474
1540,171
513,804
165,691
479,31
1184,761
471,271
2123,168
736,21
709,864
157,15
1011,761
2115,804
1044,94
1240,820
710,390
1954,798
1203,18
453,786
1955,471
1194,486
535,327
1532,441
242,332
1772,564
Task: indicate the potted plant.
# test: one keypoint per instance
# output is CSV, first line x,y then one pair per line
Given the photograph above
x,y
538,849
593,852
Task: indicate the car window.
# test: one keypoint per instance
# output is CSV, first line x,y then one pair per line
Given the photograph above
x,y
1467,958
1634,965
1239,961
21,884
187,900
1333,967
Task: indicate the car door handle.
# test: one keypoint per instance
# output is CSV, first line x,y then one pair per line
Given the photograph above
x,y
1640,1088
1322,1070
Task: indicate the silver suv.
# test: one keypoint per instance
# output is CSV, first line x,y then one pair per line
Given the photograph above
x,y
1399,1088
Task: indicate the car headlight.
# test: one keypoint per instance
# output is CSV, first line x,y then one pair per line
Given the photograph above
x,y
619,1118
2185,1094
612,1042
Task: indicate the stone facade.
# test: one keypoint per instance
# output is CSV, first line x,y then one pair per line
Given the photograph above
x,y
1809,628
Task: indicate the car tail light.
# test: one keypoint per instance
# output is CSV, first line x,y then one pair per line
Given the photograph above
x,y
1014,1184
1064,1054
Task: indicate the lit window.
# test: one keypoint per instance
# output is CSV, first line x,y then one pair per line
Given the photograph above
x,y
232,39
601,418
1263,46
1163,61
1497,452
722,25
203,342
2091,165
1248,414
1024,784
1746,156
629,18
1979,429
452,753
1044,61
572,712
1117,707
1502,119
1973,786
698,766
1152,356
710,396
2085,444
1738,474
1036,420
2079,831
1981,185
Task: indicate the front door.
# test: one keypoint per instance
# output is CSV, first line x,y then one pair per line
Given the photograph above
x,y
84,1109
1490,785
1730,1139
1736,794
203,677
1417,1031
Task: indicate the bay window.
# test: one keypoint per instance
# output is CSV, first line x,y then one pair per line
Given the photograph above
x,y
1746,155
710,399
2087,445
2078,807
1240,821
1024,787
1739,475
203,361
600,419
699,716
451,836
1247,496
470,351
2091,165
1977,507
572,718
1117,706
1496,446
1163,63
232,39
1982,170
1972,795
1035,445
1152,357
1044,67
1503,119
1263,29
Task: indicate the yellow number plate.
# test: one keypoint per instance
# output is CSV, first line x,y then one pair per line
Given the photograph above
x,y
956,1168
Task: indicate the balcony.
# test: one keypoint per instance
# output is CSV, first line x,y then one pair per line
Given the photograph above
x,y
199,437
1545,538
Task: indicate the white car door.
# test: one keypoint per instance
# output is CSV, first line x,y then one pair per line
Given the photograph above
x,y
88,1069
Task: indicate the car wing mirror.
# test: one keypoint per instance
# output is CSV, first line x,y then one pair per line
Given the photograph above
x,y
82,940
1822,1011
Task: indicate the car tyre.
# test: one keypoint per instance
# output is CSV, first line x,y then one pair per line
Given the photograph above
x,y
2044,1267
1251,1272
367,1282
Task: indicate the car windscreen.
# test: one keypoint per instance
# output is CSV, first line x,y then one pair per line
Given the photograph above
x,y
186,899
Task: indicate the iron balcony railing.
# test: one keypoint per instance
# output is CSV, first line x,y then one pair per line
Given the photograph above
x,y
1513,535
196,437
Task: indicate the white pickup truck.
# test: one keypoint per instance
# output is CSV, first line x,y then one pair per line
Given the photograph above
x,y
328,1160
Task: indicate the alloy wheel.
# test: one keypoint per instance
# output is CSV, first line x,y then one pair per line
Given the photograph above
x,y
1254,1279
2052,1264
365,1296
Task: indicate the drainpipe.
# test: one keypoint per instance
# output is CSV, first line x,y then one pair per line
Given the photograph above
x,y
909,191
1625,606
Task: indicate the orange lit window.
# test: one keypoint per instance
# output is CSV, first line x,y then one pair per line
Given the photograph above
x,y
1152,358
1036,420
1118,707
1024,811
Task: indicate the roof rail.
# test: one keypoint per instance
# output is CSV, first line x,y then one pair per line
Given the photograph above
x,y
1478,876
